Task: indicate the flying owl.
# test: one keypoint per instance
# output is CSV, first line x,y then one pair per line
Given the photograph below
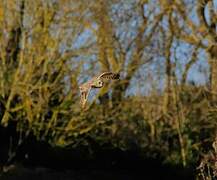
x,y
96,82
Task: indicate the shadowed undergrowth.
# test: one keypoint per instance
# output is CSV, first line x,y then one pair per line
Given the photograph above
x,y
35,159
142,138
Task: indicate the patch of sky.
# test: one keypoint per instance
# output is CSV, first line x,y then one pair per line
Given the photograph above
x,y
147,79
199,72
182,54
81,40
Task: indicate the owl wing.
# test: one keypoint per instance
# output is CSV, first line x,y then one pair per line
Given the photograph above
x,y
84,94
108,76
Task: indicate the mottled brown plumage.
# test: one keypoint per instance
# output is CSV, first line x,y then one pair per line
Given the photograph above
x,y
96,82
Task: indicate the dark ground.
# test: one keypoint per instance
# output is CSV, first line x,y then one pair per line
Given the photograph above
x,y
38,160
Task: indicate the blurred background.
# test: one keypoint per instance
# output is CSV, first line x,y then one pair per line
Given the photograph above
x,y
158,120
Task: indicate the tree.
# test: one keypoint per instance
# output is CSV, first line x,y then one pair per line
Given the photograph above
x,y
201,36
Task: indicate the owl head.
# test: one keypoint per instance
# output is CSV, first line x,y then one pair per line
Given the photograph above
x,y
97,83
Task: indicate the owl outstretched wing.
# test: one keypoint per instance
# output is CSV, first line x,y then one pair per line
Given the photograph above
x,y
108,76
84,92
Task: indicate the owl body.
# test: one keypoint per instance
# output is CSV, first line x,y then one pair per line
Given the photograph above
x,y
96,82
93,83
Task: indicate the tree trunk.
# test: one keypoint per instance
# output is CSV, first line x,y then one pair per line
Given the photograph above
x,y
168,83
106,56
213,70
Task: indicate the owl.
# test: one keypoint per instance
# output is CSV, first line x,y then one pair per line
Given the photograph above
x,y
96,82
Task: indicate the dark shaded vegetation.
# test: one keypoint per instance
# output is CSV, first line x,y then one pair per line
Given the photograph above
x,y
125,147
35,159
